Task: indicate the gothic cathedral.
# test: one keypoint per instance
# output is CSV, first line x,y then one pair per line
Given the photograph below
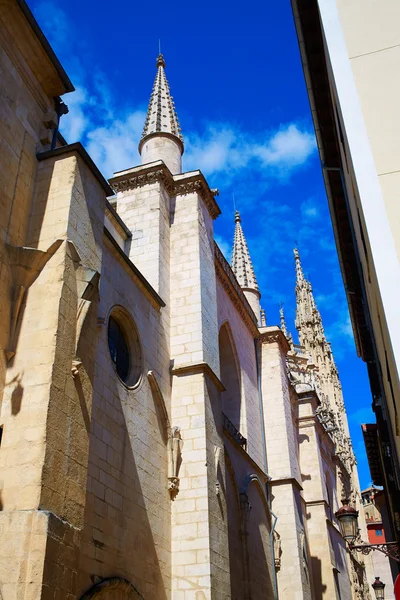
x,y
159,440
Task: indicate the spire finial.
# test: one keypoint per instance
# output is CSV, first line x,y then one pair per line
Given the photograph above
x,y
263,318
241,261
285,330
160,61
299,270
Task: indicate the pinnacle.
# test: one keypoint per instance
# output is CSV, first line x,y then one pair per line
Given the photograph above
x,y
283,326
308,317
161,113
299,270
241,261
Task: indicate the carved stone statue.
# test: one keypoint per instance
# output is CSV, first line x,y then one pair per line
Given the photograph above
x,y
174,461
277,550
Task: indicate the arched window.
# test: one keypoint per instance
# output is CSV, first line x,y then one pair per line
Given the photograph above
x,y
124,346
230,376
115,588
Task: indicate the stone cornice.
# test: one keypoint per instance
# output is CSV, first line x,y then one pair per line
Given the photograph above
x,y
30,51
273,334
230,284
194,182
200,367
155,172
177,185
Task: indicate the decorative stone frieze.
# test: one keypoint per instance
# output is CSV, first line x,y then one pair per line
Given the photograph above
x,y
140,179
272,335
179,185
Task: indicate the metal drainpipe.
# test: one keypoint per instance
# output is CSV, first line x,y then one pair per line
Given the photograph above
x,y
264,442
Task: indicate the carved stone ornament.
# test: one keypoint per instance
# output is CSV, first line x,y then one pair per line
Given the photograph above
x,y
173,188
277,550
142,179
174,461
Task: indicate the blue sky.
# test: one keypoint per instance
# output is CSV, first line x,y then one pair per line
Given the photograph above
x,y
238,86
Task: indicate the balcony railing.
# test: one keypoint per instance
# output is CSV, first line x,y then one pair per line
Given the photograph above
x,y
233,432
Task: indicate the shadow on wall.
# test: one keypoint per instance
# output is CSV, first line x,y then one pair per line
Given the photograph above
x,y
316,569
235,538
127,532
17,393
230,376
260,555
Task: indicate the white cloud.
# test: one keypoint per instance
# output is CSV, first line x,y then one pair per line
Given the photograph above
x,y
114,146
227,148
287,148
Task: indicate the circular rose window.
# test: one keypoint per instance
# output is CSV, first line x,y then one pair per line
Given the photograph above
x,y
124,346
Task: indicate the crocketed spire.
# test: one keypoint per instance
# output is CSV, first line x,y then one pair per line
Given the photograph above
x,y
161,114
241,261
285,330
308,318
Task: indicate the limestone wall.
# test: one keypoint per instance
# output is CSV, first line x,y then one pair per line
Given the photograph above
x,y
243,341
127,518
23,105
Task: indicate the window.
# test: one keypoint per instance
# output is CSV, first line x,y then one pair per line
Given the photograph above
x,y
379,532
124,347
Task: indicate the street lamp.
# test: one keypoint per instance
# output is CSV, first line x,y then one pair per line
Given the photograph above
x,y
348,521
379,588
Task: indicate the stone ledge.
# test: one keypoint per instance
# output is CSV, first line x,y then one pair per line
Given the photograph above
x,y
80,150
117,221
287,481
140,279
201,367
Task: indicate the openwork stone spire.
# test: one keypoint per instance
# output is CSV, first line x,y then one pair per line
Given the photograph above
x,y
308,318
241,261
161,114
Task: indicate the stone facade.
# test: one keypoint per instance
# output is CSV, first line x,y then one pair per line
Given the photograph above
x,y
158,439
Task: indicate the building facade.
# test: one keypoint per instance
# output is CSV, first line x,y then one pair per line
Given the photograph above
x,y
350,53
376,518
159,439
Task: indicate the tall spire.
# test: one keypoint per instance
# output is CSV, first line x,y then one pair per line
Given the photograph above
x,y
241,261
243,268
162,122
308,318
161,113
312,337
